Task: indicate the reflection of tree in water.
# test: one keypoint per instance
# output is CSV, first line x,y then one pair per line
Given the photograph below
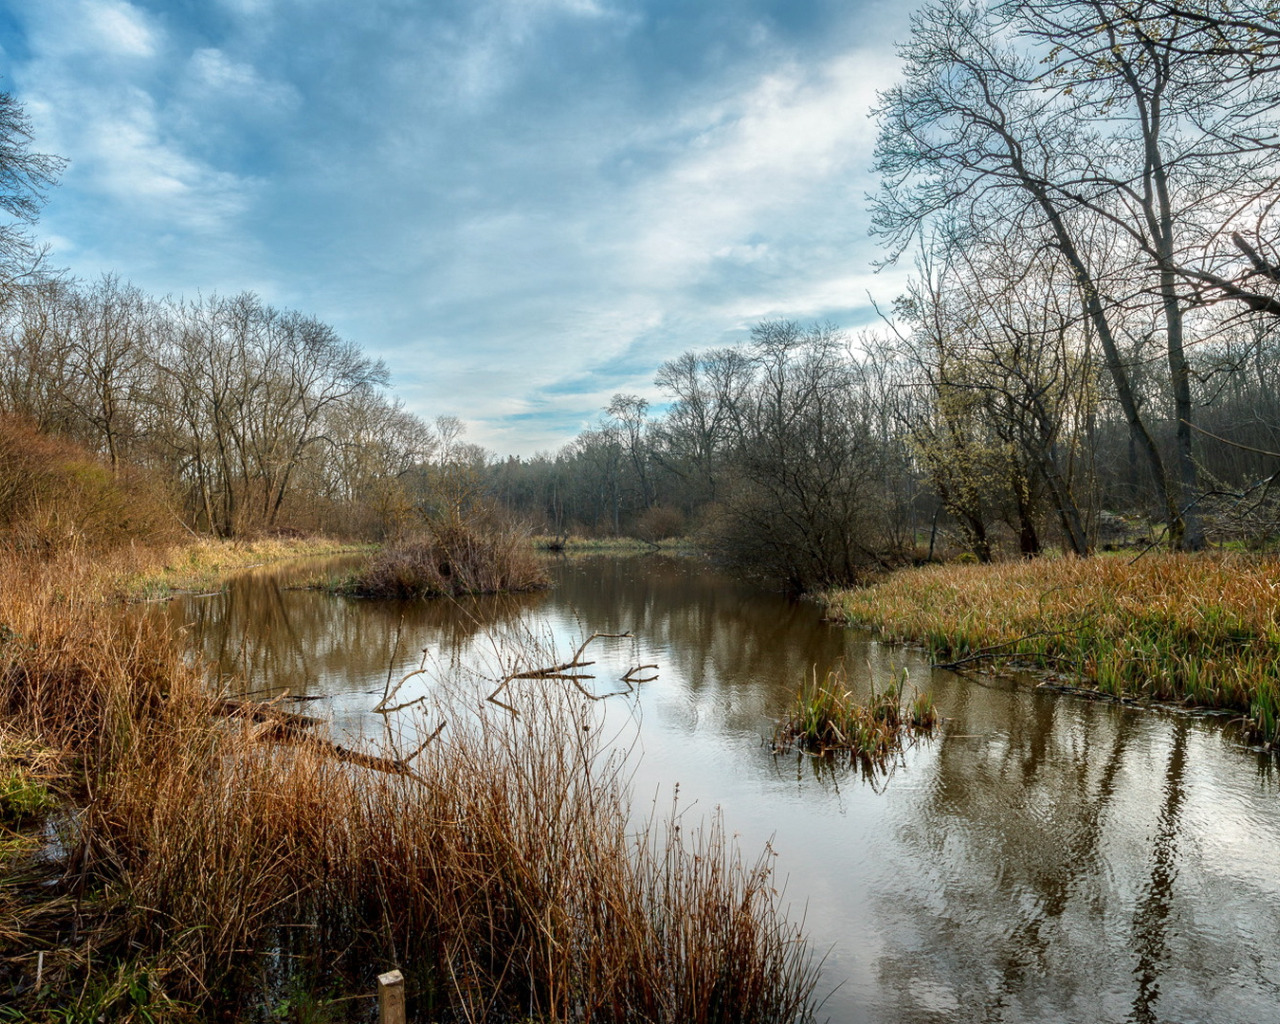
x,y
1012,912
259,635
714,633
1151,918
1040,877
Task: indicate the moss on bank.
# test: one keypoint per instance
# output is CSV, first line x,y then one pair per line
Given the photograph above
x,y
1203,630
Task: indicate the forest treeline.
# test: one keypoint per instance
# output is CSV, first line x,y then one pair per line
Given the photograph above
x,y
1086,191
1087,351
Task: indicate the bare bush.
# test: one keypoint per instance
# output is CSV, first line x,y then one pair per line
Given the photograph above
x,y
478,554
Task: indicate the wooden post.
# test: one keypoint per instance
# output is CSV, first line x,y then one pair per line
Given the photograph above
x,y
391,998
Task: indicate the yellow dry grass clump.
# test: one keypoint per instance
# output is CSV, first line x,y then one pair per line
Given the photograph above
x,y
1202,629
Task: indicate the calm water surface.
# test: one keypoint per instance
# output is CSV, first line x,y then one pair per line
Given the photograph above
x,y
1044,859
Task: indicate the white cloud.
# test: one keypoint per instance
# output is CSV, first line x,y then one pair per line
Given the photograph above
x,y
796,135
214,77
121,27
120,124
112,28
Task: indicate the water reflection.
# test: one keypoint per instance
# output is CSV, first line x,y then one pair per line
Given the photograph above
x,y
1045,859
266,634
1151,918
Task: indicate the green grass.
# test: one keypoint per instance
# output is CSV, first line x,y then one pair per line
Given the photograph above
x,y
1200,630
22,798
827,717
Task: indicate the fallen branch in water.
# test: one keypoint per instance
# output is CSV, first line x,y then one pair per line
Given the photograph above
x,y
994,651
262,711
276,725
570,671
630,677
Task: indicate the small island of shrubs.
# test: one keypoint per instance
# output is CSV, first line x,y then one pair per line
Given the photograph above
x,y
480,554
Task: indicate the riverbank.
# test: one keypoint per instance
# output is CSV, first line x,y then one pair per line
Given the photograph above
x,y
1201,630
176,857
156,572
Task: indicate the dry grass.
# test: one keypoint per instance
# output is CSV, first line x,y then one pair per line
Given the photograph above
x,y
145,572
1200,629
503,876
202,563
480,555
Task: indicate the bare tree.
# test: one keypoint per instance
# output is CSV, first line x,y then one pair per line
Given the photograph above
x,y
982,132
25,179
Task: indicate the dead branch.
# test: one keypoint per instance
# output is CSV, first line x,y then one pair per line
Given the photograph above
x,y
262,711
388,693
997,651
278,726
630,676
566,671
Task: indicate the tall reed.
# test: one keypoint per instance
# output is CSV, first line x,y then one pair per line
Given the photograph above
x,y
506,875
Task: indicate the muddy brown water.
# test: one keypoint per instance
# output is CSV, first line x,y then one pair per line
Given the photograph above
x,y
1045,858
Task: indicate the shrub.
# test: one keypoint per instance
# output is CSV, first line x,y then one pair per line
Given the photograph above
x,y
55,494
485,554
661,522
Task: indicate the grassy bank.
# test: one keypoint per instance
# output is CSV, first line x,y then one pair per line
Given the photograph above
x,y
1198,629
143,572
202,564
209,867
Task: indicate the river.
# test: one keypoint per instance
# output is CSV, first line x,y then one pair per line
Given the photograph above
x,y
1043,858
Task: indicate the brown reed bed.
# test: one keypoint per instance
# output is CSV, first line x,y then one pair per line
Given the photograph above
x,y
827,718
201,862
483,554
1201,630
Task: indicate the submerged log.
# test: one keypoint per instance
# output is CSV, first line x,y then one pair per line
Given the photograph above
x,y
279,726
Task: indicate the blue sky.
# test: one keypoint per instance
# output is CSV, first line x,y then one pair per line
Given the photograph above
x,y
522,206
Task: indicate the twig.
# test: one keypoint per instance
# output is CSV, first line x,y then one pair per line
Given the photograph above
x,y
563,671
401,707
381,707
630,676
423,745
391,663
